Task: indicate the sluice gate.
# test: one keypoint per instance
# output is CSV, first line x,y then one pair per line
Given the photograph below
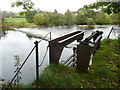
x,y
81,56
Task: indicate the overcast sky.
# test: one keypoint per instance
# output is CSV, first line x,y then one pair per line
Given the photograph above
x,y
48,5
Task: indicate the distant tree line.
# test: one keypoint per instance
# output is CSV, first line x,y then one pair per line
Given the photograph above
x,y
109,14
82,17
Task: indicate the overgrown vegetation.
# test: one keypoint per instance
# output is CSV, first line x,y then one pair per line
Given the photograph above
x,y
104,72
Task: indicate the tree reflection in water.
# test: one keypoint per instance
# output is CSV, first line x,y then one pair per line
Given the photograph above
x,y
3,33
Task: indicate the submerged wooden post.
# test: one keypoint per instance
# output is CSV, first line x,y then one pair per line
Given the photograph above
x,y
37,60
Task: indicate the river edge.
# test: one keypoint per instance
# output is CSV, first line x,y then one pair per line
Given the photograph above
x,y
103,72
97,77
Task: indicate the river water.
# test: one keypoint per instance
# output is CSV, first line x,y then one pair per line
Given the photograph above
x,y
20,43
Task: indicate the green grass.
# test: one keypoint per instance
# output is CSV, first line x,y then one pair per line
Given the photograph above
x,y
19,23
87,27
104,72
15,19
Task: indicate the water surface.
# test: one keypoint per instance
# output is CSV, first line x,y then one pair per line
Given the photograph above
x,y
18,43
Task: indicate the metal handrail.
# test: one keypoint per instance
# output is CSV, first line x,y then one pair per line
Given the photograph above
x,y
69,58
27,59
21,66
45,37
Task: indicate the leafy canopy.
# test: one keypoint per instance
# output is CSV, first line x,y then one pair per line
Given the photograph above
x,y
108,7
27,5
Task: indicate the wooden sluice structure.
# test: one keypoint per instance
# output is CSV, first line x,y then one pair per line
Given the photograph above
x,y
82,53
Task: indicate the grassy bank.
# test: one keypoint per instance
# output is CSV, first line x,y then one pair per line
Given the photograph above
x,y
19,23
104,72
15,19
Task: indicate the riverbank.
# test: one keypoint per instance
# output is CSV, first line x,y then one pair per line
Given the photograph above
x,y
22,23
101,55
104,72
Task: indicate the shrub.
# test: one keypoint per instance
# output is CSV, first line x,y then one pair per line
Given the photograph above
x,y
103,18
39,19
90,21
80,19
115,17
22,24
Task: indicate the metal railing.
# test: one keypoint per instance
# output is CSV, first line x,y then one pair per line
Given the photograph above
x,y
71,61
37,59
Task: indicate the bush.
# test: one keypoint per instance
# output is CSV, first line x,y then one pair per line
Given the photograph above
x,y
39,19
115,17
30,16
102,18
90,21
22,24
80,18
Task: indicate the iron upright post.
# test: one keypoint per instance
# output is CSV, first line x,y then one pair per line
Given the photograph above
x,y
37,60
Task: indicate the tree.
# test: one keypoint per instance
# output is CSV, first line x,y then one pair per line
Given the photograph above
x,y
89,13
108,7
58,19
115,18
55,11
39,19
27,5
81,18
90,21
30,16
46,17
70,18
102,18
51,18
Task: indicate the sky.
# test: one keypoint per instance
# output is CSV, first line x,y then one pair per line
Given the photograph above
x,y
48,5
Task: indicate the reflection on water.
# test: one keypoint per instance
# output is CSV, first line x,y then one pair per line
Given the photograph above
x,y
17,43
2,33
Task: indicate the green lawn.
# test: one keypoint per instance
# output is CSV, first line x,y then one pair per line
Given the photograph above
x,y
15,19
19,23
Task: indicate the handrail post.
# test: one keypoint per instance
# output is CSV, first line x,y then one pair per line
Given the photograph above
x,y
109,33
83,57
50,36
74,51
37,60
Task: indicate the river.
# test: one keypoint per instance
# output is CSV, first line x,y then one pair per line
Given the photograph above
x,y
20,43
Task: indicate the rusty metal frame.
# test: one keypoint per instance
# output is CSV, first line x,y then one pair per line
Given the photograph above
x,y
85,49
57,45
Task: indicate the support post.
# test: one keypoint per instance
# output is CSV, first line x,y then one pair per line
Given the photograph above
x,y
74,51
37,60
50,36
83,57
110,33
